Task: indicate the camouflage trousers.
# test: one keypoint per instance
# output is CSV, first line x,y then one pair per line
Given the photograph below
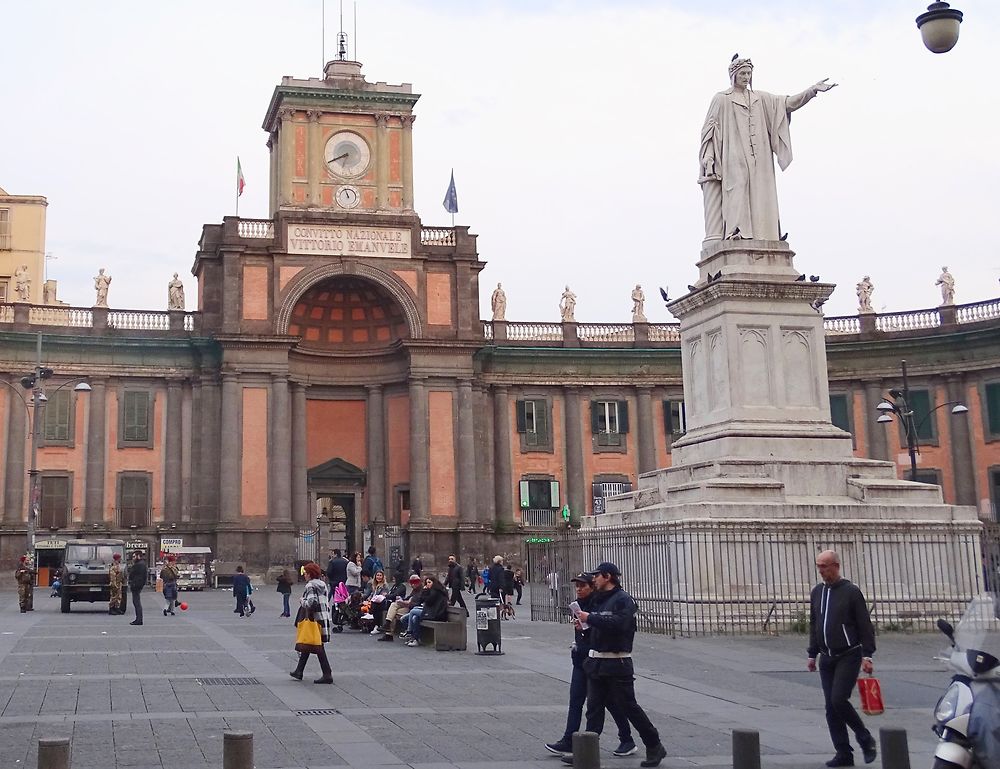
x,y
25,595
115,601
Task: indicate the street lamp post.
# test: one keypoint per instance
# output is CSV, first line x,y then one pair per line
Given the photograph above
x,y
939,27
33,411
899,403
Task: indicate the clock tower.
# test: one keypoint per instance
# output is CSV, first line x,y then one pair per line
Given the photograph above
x,y
341,143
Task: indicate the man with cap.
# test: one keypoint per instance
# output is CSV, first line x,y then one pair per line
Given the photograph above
x,y
584,585
24,575
610,675
116,581
138,575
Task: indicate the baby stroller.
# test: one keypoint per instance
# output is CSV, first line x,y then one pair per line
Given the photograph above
x,y
339,608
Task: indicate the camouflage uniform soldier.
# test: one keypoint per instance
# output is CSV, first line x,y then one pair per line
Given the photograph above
x,y
117,583
25,577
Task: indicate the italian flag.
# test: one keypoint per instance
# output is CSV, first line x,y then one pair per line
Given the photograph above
x,y
240,182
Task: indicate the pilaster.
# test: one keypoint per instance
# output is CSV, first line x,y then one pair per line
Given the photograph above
x,y
377,512
232,430
13,510
407,162
466,455
382,154
646,430
97,437
419,465
173,447
961,445
504,492
313,163
286,141
300,487
280,453
575,477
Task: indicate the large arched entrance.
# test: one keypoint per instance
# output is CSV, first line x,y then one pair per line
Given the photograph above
x,y
346,311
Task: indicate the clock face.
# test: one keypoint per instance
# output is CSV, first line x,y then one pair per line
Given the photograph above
x,y
347,154
348,197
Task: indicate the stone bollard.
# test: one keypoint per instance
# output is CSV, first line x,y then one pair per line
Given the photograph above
x,y
586,750
237,750
53,753
895,750
746,749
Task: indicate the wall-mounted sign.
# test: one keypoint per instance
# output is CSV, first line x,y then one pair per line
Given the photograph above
x,y
348,240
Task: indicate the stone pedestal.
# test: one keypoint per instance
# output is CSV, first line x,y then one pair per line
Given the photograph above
x,y
761,455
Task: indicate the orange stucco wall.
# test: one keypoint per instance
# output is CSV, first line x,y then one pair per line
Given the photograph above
x,y
984,454
132,459
254,292
439,299
300,150
441,452
335,429
254,459
540,462
65,458
285,274
397,422
409,277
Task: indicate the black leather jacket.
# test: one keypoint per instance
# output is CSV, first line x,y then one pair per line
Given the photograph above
x,y
612,621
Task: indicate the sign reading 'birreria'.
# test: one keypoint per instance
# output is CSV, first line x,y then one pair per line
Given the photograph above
x,y
348,241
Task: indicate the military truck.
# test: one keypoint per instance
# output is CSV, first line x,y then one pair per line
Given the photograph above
x,y
86,574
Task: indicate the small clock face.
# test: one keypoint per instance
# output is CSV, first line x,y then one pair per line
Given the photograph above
x,y
348,197
347,154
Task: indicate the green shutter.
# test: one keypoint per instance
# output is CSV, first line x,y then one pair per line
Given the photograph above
x,y
525,498
136,416
553,494
594,417
542,421
522,426
623,417
923,420
993,407
839,412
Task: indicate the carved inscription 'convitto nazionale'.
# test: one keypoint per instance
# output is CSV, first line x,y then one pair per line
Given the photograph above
x,y
348,241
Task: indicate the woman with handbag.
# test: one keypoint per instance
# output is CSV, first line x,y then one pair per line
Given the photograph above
x,y
313,625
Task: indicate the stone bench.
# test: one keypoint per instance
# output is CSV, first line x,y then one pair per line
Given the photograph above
x,y
446,636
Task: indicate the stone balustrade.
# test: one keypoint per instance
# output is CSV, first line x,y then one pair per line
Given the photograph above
x,y
256,228
57,317
437,236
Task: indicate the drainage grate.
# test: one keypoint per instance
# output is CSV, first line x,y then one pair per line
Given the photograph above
x,y
227,681
318,712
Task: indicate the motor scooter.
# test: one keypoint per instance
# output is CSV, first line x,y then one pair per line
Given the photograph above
x,y
968,714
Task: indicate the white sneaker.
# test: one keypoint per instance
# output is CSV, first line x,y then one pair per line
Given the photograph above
x,y
413,642
375,631
367,616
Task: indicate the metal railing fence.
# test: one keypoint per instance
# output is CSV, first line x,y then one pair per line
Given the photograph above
x,y
719,577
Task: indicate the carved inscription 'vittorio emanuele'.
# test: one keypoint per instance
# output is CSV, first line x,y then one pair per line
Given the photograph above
x,y
349,241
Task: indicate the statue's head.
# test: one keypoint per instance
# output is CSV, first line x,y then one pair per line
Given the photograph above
x,y
740,67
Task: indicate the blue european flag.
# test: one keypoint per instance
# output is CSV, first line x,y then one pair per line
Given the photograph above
x,y
451,196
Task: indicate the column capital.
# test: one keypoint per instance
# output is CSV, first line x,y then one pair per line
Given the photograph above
x,y
279,376
374,388
313,115
382,119
407,120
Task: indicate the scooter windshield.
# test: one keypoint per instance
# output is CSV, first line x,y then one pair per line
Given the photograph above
x,y
979,627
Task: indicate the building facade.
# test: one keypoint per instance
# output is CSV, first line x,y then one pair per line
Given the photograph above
x,y
336,375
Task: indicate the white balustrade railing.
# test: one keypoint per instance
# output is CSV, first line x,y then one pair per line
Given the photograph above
x,y
71,317
139,320
540,518
849,324
6,313
908,321
606,332
664,332
437,236
488,329
256,228
534,332
973,313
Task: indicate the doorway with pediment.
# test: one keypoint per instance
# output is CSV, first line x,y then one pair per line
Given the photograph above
x,y
336,496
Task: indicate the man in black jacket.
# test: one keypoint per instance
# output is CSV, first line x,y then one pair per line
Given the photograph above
x,y
336,570
456,581
840,630
610,675
584,585
137,578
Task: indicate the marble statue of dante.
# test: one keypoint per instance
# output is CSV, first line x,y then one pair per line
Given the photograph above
x,y
744,129
101,283
22,283
567,306
499,303
865,289
638,304
175,294
947,283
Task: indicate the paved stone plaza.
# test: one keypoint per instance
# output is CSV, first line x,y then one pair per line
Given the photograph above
x,y
144,697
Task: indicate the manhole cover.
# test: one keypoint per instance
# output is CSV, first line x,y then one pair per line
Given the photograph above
x,y
317,712
227,681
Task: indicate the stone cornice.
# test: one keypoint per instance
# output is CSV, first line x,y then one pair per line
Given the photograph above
x,y
323,96
758,290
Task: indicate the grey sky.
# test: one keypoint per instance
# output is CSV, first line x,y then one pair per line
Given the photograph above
x,y
572,128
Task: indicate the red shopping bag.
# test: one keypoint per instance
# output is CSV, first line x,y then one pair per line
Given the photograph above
x,y
871,696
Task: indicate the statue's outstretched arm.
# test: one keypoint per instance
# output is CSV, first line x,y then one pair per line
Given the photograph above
x,y
801,99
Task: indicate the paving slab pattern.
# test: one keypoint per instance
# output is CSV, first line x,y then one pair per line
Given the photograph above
x,y
160,696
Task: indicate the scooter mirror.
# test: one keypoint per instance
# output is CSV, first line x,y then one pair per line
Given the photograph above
x,y
945,627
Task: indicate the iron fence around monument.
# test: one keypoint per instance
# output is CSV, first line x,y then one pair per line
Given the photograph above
x,y
737,578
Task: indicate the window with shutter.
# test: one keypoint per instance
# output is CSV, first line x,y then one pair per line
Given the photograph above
x,y
5,238
993,408
54,502
674,418
923,420
57,418
134,499
533,424
839,411
135,414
